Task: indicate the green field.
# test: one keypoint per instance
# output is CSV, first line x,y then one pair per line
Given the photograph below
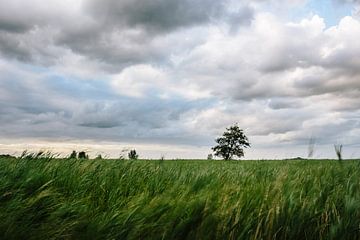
x,y
121,199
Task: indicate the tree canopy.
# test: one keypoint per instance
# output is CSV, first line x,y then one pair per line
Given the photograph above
x,y
231,143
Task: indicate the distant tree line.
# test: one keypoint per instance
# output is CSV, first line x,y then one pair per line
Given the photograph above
x,y
80,155
132,155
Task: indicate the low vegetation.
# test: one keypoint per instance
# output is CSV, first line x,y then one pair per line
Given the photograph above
x,y
45,198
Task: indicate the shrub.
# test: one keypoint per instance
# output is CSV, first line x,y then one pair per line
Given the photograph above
x,y
133,155
73,155
83,155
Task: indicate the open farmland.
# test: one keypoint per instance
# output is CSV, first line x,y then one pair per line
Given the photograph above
x,y
121,199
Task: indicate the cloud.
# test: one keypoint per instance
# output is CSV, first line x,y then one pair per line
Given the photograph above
x,y
155,16
39,104
139,80
271,59
284,103
144,80
138,32
20,16
278,79
117,34
177,72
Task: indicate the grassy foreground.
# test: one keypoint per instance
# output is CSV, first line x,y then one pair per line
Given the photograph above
x,y
108,199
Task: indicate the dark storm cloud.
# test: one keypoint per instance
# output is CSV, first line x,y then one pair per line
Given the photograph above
x,y
117,53
127,32
116,33
11,48
18,16
156,16
16,19
7,25
33,47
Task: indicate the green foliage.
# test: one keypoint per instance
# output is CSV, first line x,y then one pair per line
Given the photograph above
x,y
133,155
75,199
73,155
83,155
231,143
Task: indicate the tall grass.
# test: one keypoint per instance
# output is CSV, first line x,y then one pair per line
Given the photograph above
x,y
45,198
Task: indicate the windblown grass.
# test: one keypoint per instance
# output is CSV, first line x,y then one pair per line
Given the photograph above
x,y
45,198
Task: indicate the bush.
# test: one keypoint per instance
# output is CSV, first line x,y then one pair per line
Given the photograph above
x,y
133,155
83,155
73,155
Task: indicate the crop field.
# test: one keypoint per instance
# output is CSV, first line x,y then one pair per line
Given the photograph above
x,y
46,198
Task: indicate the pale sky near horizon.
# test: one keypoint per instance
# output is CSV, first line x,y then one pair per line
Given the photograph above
x,y
166,77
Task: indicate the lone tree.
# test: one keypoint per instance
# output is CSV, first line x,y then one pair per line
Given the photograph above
x,y
231,143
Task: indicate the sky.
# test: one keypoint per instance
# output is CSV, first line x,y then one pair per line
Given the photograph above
x,y
166,77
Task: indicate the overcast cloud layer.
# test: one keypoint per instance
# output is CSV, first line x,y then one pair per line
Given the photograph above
x,y
168,76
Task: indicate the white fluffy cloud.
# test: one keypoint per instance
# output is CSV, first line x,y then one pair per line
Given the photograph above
x,y
271,58
167,71
139,80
